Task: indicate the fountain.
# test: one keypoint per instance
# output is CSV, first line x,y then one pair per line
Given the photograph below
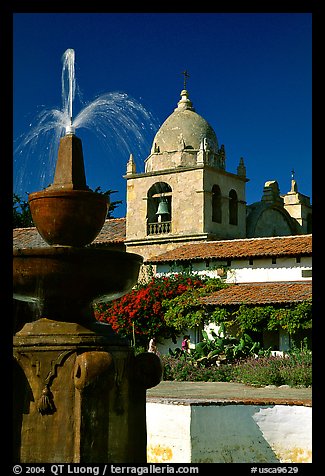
x,y
79,390
118,123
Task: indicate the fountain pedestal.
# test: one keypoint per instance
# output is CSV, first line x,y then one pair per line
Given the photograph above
x,y
82,398
80,393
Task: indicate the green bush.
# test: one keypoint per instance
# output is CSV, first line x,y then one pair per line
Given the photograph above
x,y
297,376
139,349
183,368
297,369
294,369
261,371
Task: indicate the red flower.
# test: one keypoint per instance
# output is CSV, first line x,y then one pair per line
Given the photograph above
x,y
142,309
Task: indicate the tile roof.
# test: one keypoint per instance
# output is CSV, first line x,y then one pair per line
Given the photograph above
x,y
238,249
27,238
113,231
260,293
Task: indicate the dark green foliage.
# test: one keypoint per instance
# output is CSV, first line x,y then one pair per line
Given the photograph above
x,y
22,217
186,311
224,347
291,317
183,368
112,205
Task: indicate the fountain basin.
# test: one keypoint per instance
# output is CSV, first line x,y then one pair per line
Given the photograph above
x,y
68,217
65,281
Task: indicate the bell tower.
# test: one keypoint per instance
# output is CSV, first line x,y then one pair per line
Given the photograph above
x,y
185,193
298,206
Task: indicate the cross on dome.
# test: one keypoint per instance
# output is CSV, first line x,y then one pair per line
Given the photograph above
x,y
186,75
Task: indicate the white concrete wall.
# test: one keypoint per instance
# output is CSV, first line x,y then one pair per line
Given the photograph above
x,y
262,270
228,433
168,433
166,344
288,430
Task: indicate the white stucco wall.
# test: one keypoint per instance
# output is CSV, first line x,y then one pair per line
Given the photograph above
x,y
262,270
228,433
166,344
168,433
288,430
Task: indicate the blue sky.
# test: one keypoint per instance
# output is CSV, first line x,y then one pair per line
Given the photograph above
x,y
250,78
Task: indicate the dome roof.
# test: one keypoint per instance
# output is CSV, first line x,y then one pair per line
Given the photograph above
x,y
184,129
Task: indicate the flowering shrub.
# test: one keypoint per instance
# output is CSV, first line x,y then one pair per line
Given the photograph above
x,y
183,369
186,310
141,311
294,370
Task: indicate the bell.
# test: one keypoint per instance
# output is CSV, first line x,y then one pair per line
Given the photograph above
x,y
162,208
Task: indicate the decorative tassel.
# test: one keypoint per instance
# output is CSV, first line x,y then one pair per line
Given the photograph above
x,y
45,404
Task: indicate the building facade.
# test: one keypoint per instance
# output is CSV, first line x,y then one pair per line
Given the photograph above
x,y
186,194
259,271
186,209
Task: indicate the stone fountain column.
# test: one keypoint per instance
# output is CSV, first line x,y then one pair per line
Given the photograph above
x,y
79,390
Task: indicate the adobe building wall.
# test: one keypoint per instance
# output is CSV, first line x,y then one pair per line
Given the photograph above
x,y
228,433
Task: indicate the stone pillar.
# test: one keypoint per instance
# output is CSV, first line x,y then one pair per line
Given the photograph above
x,y
79,394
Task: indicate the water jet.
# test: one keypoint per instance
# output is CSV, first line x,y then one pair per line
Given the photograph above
x,y
119,123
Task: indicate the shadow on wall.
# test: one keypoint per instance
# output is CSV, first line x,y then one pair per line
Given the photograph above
x,y
228,433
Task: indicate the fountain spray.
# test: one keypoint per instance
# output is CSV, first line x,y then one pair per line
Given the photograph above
x,y
68,67
121,124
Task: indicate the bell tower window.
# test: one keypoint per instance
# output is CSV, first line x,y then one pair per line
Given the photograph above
x,y
216,204
233,208
159,209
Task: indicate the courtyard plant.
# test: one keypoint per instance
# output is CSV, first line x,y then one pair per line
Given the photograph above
x,y
140,314
293,369
165,306
222,347
290,317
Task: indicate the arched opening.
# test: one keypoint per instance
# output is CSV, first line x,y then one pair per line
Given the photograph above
x,y
159,209
233,208
216,204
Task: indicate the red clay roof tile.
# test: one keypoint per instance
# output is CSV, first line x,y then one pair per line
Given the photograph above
x,y
296,245
260,293
113,231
